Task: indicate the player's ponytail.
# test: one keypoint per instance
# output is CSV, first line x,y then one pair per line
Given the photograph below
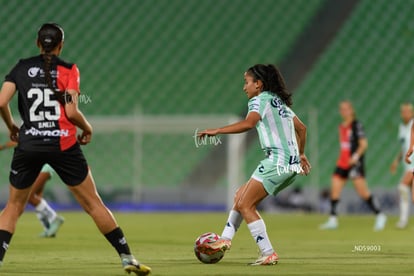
x,y
49,36
272,81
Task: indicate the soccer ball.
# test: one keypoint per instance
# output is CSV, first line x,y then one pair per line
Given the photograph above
x,y
209,237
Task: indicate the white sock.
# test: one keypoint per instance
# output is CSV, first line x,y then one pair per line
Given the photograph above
x,y
233,223
259,234
404,202
43,210
43,220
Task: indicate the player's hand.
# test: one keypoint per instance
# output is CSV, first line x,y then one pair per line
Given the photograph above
x,y
304,164
354,159
85,137
14,133
408,154
9,144
207,132
393,167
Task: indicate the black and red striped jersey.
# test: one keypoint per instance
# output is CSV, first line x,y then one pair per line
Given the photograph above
x,y
349,136
45,126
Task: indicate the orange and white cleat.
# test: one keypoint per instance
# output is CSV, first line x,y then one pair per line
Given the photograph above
x,y
210,248
267,260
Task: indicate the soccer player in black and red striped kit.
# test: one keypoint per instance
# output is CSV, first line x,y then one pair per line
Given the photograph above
x,y
47,90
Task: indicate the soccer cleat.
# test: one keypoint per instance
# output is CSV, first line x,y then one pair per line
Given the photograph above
x,y
331,224
44,234
54,227
211,248
380,221
267,260
401,224
130,264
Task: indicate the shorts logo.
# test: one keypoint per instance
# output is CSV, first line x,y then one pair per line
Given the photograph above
x,y
261,169
32,72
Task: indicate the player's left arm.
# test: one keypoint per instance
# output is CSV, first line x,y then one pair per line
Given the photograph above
x,y
248,123
410,149
362,144
300,132
362,147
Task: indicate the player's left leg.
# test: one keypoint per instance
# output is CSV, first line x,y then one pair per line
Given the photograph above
x,y
361,188
9,216
251,196
88,197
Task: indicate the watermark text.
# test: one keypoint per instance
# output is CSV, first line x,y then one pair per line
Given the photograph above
x,y
206,140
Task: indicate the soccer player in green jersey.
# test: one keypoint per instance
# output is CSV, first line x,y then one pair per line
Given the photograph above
x,y
282,137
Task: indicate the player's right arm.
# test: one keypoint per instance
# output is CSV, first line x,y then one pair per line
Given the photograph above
x,y
77,118
7,92
248,123
395,162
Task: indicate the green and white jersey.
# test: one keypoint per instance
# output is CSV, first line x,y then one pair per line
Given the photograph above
x,y
276,128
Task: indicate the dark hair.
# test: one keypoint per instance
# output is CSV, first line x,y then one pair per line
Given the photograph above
x,y
49,36
272,81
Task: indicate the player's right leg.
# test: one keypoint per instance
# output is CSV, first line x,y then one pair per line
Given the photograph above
x,y
9,216
25,166
337,184
232,225
404,199
246,200
87,196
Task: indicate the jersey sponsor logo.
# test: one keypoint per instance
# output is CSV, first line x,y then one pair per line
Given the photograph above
x,y
37,71
32,72
51,133
278,104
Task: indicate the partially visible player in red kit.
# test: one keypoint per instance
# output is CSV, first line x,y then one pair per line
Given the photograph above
x,y
47,89
350,165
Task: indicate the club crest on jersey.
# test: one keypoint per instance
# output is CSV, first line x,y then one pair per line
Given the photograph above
x,y
33,71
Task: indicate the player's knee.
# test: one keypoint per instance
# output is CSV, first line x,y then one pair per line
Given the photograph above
x,y
245,208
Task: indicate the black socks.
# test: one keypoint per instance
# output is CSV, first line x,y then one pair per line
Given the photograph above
x,y
117,239
5,238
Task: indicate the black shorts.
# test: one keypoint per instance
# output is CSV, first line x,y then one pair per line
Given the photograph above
x,y
355,171
70,165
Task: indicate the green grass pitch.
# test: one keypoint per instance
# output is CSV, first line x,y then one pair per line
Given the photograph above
x,y
165,241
